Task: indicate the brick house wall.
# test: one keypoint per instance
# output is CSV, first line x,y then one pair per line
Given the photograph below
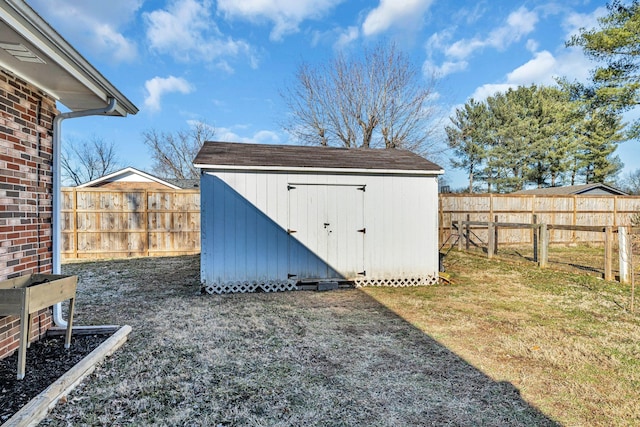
x,y
26,165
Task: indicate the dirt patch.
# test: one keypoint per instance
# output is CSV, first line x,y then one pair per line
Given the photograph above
x,y
47,360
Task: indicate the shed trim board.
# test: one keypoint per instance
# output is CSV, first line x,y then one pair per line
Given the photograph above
x,y
329,170
271,230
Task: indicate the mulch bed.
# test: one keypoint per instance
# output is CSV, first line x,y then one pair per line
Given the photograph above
x,y
47,360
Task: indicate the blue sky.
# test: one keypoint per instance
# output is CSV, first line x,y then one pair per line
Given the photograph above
x,y
225,62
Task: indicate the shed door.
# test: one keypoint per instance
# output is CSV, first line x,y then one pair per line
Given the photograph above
x,y
328,220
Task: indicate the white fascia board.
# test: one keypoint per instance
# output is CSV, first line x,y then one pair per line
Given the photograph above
x,y
206,167
26,22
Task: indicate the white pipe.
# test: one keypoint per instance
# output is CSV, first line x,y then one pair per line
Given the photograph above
x,y
57,193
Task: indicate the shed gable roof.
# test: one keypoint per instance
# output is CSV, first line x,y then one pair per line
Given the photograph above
x,y
129,172
287,157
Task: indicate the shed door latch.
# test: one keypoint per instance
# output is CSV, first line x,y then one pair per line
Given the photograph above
x,y
363,230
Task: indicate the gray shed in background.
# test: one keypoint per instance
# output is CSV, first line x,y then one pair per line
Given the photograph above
x,y
595,189
277,216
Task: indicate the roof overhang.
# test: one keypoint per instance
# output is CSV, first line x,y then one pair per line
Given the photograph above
x,y
33,51
207,167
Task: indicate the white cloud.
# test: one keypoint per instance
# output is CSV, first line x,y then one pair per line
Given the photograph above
x,y
574,21
487,90
347,36
447,67
438,41
537,70
96,25
158,86
389,13
463,48
260,137
518,24
110,40
532,45
186,31
286,15
195,123
521,22
542,69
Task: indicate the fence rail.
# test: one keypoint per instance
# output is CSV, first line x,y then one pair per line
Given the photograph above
x,y
110,223
578,212
466,235
100,223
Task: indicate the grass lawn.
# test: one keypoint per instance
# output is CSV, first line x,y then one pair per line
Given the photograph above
x,y
587,259
567,342
505,345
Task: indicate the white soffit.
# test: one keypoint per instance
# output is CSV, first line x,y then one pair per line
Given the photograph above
x,y
35,52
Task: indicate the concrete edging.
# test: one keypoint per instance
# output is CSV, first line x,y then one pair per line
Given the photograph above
x,y
37,409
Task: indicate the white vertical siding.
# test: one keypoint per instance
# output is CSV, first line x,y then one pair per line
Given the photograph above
x,y
246,214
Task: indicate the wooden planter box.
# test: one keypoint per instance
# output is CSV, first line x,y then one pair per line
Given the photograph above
x,y
25,295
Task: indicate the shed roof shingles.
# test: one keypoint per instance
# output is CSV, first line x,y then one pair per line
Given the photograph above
x,y
291,156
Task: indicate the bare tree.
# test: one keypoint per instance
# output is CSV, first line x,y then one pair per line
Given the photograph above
x,y
631,182
89,160
173,153
377,98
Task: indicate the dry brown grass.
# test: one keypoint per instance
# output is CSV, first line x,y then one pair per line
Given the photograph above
x,y
566,341
298,358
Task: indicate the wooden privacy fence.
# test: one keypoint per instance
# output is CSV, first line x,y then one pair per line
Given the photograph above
x,y
576,211
110,223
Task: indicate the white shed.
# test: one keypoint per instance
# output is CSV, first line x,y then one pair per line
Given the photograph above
x,y
276,216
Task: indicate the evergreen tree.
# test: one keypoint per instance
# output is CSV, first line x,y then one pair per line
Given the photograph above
x,y
534,135
466,137
601,133
615,44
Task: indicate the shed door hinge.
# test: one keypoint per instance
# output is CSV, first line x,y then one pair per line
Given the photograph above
x,y
290,187
363,188
363,273
290,231
290,276
363,230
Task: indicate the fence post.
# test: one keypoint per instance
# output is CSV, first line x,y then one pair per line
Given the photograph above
x,y
441,234
491,239
495,241
608,251
468,232
147,243
534,220
623,252
544,246
460,235
633,280
75,223
450,227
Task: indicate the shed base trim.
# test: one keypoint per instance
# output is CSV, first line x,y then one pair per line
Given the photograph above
x,y
250,286
397,282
